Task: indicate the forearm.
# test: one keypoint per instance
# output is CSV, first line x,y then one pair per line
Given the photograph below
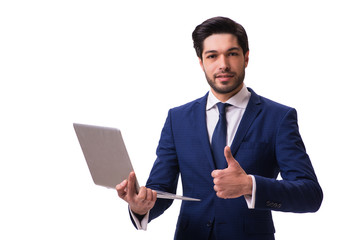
x,y
300,196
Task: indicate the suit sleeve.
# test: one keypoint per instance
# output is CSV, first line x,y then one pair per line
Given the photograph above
x,y
299,190
165,172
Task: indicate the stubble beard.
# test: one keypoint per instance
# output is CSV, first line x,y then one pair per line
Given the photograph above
x,y
225,88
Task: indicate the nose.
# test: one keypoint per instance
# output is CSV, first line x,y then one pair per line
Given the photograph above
x,y
224,63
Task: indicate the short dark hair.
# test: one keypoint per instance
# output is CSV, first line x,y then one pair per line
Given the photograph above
x,y
218,25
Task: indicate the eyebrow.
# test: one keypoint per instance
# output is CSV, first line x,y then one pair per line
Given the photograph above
x,y
229,50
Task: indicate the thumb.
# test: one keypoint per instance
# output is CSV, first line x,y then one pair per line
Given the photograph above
x,y
229,157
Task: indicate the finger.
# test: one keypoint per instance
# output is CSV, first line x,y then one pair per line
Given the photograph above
x,y
142,193
216,181
121,189
220,194
154,193
229,157
216,173
216,188
131,189
149,195
122,185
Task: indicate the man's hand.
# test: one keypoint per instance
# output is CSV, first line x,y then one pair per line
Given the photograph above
x,y
231,182
140,203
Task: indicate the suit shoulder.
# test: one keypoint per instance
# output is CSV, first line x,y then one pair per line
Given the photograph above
x,y
274,109
190,105
273,104
267,103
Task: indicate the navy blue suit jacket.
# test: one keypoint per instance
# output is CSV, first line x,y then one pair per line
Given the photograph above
x,y
266,143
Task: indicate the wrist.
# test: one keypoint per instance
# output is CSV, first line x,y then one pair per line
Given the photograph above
x,y
249,185
140,217
138,212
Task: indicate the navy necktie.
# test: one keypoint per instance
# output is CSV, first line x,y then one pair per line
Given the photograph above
x,y
218,141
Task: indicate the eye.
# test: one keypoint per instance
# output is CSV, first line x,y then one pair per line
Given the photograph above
x,y
233,54
211,56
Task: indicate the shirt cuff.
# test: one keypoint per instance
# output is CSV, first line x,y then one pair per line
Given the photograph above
x,y
250,199
140,225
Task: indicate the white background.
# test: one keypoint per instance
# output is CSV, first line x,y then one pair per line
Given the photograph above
x,y
124,64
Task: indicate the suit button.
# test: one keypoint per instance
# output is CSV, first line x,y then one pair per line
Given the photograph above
x,y
269,204
208,224
273,204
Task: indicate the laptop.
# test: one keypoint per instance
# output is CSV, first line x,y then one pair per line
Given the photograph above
x,y
107,158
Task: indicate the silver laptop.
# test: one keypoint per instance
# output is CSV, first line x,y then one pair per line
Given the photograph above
x,y
107,158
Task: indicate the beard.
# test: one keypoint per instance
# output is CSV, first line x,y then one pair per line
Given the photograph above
x,y
226,88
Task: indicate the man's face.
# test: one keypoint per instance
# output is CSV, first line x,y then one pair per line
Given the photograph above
x,y
224,64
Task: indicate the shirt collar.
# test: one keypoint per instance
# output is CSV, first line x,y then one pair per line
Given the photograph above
x,y
239,100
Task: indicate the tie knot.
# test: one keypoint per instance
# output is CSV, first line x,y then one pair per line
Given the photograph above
x,y
222,107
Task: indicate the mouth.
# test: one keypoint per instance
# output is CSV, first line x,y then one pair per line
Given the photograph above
x,y
224,77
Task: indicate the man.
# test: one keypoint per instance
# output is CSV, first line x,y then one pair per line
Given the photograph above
x,y
237,185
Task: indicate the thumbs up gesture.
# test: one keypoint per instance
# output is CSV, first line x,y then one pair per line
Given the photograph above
x,y
231,182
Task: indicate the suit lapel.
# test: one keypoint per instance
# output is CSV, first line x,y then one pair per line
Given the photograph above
x,y
252,110
201,128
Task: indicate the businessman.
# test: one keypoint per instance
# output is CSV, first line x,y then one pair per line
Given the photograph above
x,y
229,147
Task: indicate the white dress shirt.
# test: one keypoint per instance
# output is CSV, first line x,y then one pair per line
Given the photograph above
x,y
234,114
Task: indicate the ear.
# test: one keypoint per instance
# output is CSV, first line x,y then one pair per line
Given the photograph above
x,y
201,64
246,58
